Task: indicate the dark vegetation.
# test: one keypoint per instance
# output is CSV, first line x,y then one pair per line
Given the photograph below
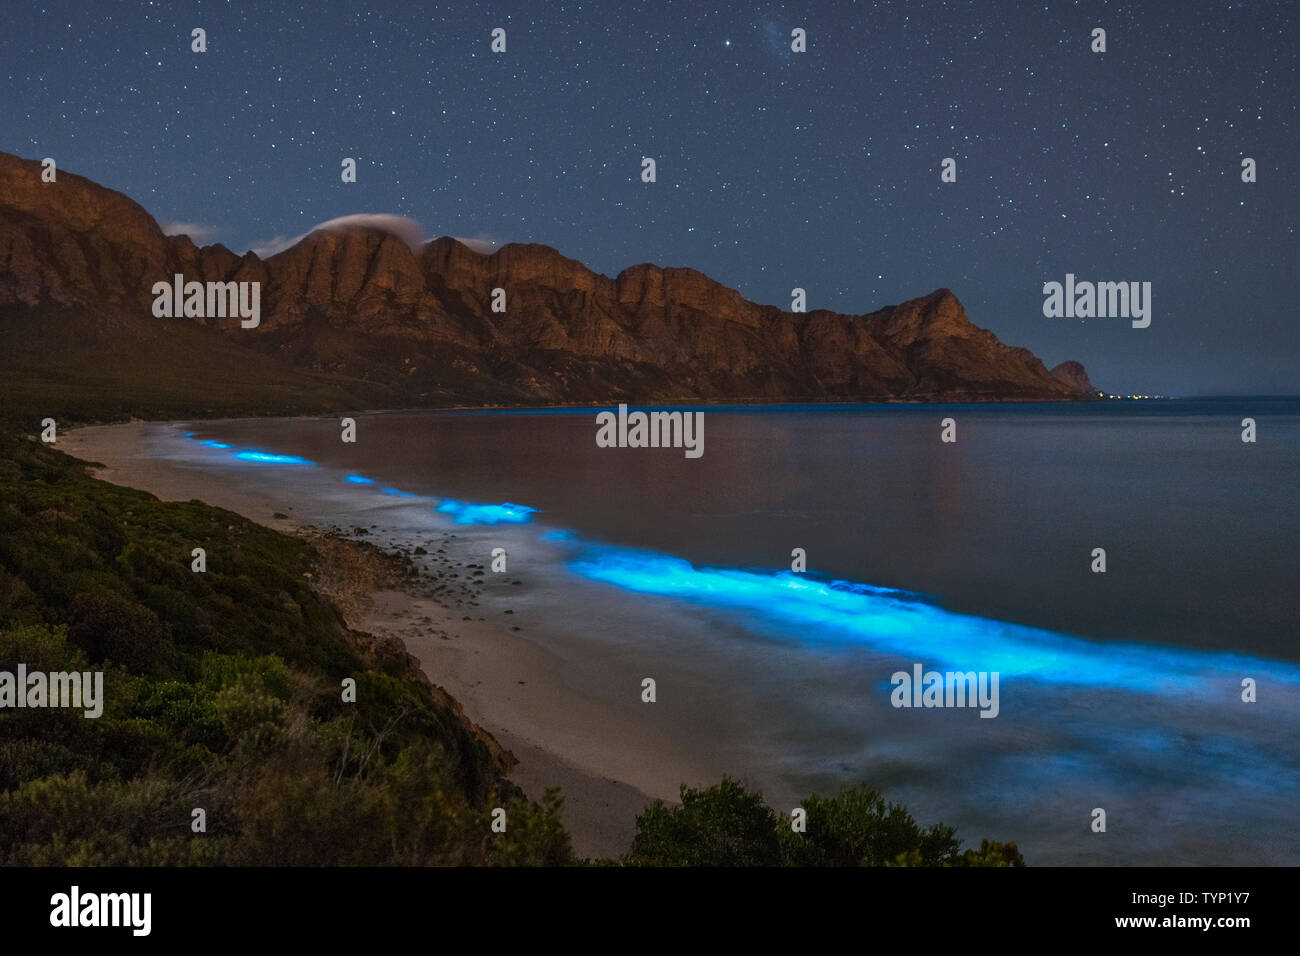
x,y
223,692
72,368
727,825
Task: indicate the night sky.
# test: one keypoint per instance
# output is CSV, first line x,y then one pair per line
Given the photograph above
x,y
775,169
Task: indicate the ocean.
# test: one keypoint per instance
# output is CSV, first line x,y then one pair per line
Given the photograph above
x,y
1118,690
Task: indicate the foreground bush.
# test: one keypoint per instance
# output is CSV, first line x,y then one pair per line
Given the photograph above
x,y
222,694
727,825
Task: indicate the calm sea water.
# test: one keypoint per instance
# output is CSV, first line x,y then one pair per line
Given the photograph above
x,y
1119,690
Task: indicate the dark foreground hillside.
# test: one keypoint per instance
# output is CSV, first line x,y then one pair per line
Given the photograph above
x,y
223,692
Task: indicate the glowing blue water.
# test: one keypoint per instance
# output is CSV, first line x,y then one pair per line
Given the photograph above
x,y
912,626
464,512
267,458
461,512
252,454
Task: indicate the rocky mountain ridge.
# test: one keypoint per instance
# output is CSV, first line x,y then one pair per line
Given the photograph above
x,y
414,326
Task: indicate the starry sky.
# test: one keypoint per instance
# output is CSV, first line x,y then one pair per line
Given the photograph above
x,y
775,169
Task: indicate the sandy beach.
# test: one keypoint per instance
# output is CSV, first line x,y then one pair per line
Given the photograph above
x,y
607,762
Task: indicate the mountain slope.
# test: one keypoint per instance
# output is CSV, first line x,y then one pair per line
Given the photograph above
x,y
355,316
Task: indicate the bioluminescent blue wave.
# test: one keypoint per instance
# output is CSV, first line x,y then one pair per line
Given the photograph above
x,y
461,512
252,454
268,458
896,622
464,512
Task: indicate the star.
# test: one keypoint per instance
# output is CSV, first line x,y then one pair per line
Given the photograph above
x,y
811,164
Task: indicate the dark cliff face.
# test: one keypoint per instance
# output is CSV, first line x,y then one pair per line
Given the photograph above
x,y
416,325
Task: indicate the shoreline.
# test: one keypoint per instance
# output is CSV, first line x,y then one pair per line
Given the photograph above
x,y
731,403
499,676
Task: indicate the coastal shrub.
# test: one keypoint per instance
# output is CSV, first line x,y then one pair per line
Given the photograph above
x,y
222,691
856,827
724,825
992,853
728,825
110,627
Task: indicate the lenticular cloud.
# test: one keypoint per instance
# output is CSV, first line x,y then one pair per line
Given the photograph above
x,y
404,228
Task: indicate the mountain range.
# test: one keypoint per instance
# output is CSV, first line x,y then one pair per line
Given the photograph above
x,y
353,316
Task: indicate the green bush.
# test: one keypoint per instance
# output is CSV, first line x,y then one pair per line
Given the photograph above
x,y
112,628
727,825
724,825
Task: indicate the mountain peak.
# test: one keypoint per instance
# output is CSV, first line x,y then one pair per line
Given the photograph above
x,y
78,203
1074,376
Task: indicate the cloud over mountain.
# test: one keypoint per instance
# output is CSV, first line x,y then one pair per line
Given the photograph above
x,y
403,227
201,234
